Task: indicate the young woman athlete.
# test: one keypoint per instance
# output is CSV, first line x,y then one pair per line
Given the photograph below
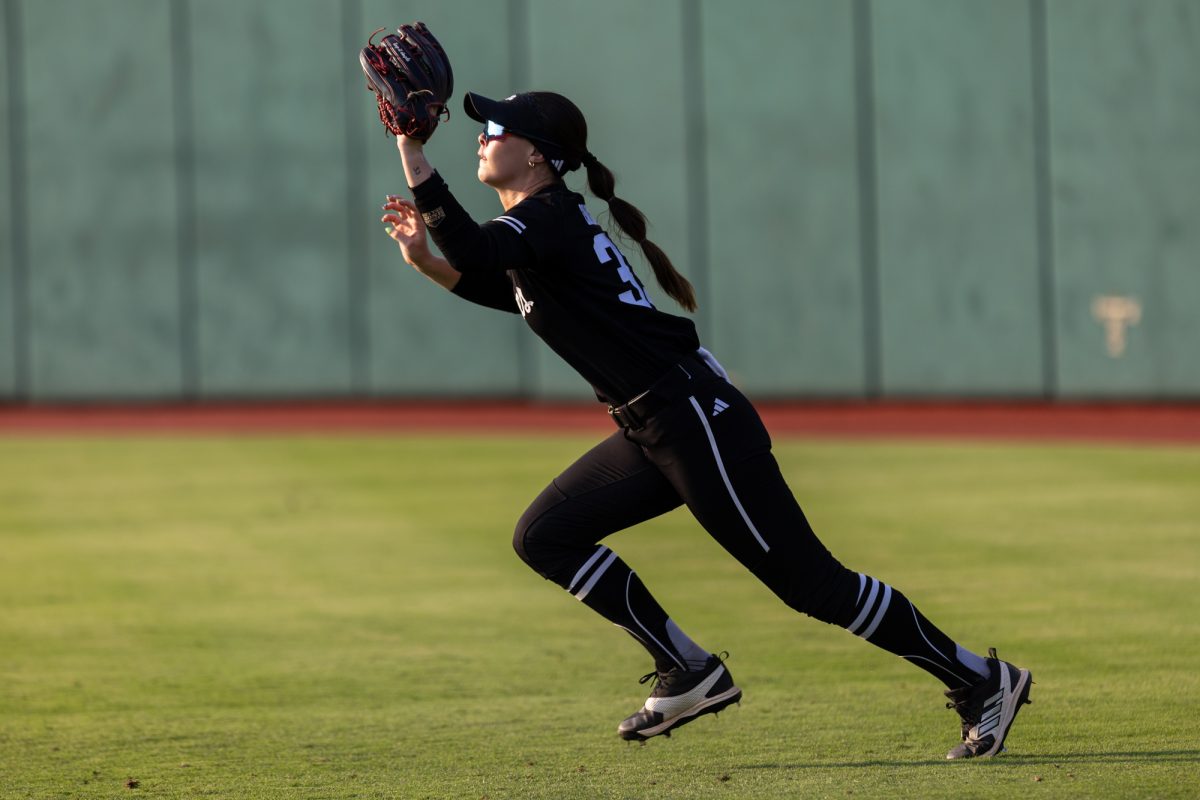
x,y
684,434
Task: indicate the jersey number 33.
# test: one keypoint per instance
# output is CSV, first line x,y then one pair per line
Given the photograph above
x,y
606,252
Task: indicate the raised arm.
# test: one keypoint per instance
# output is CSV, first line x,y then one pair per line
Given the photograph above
x,y
416,167
468,246
406,227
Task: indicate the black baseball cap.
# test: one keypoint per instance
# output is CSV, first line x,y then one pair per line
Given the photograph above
x,y
522,115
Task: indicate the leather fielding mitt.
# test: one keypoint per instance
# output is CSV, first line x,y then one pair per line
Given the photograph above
x,y
411,77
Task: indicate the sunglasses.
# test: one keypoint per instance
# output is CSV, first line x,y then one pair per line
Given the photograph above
x,y
495,132
492,132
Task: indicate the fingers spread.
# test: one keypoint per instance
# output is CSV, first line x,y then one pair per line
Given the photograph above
x,y
401,220
399,205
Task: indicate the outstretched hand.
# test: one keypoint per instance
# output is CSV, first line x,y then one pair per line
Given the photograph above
x,y
406,227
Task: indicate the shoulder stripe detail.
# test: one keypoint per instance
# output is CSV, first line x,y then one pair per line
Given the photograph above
x,y
512,222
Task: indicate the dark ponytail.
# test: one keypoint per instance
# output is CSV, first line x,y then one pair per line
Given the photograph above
x,y
567,127
633,223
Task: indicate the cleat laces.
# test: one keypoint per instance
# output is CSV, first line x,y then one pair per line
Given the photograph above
x,y
660,682
960,702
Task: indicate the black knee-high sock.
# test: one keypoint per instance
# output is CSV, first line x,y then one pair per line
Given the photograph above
x,y
605,584
886,618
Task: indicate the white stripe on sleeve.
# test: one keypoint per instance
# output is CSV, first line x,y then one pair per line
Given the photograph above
x,y
512,222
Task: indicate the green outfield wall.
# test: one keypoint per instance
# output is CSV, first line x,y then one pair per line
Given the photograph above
x,y
874,198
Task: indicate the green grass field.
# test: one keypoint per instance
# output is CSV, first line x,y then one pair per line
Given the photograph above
x,y
345,618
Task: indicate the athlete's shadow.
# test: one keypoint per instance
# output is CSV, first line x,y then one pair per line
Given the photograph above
x,y
1110,757
1027,759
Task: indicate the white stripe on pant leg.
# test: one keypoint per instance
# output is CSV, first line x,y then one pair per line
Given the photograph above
x,y
883,607
587,565
725,477
862,616
862,582
587,587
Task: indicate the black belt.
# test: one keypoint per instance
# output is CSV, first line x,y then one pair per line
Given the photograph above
x,y
674,384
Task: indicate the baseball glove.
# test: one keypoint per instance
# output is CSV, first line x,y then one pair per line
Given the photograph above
x,y
411,77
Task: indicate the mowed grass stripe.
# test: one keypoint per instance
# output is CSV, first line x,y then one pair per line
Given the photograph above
x,y
336,618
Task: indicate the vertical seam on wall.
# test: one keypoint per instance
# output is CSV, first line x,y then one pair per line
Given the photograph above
x,y
868,200
520,73
18,216
519,66
358,277
183,102
1043,204
695,137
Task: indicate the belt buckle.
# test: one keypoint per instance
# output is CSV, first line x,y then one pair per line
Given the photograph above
x,y
625,417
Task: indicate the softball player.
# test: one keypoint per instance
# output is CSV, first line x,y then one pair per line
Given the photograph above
x,y
685,435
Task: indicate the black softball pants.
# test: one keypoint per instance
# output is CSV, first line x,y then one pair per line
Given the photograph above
x,y
707,449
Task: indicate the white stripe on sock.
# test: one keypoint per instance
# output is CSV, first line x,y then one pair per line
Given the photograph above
x,y
693,654
866,609
632,633
883,607
628,581
725,477
972,661
587,587
939,666
917,620
587,565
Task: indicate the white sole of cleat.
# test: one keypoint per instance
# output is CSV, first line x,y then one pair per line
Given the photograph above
x,y
709,705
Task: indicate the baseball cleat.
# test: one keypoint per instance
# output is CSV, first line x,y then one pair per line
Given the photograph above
x,y
679,697
989,708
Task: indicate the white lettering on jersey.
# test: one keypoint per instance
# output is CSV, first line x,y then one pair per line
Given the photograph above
x,y
606,251
525,306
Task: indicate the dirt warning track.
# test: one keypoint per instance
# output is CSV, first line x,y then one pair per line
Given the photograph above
x,y
1157,423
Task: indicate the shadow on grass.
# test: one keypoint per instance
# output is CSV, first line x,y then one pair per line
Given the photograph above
x,y
1181,756
1031,759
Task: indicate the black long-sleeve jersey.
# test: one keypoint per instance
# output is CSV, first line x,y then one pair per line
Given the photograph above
x,y
549,260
